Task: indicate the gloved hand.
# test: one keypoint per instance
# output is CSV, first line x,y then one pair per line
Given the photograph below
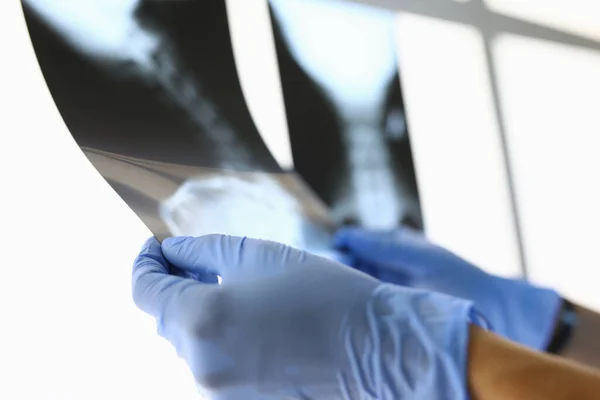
x,y
288,324
516,309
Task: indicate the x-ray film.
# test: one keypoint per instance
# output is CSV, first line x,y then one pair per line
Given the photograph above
x,y
347,124
150,92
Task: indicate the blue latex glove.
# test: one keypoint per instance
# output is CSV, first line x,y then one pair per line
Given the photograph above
x,y
516,309
288,324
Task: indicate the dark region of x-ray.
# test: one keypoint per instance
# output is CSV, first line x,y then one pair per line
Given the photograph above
x,y
347,124
150,92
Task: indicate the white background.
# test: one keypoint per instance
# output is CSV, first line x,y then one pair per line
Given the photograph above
x,y
69,329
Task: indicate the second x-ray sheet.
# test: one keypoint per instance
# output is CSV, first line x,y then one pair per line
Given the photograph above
x,y
345,110
150,92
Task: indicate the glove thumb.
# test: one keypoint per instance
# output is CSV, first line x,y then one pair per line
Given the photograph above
x,y
230,257
192,257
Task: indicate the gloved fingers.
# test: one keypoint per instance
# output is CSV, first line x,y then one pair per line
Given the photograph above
x,y
152,286
229,256
403,250
200,276
183,253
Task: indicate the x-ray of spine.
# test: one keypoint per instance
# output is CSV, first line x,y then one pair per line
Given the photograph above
x,y
150,92
358,134
133,37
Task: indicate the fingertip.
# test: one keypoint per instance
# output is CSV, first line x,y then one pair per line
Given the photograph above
x,y
174,241
150,244
150,251
198,254
351,239
149,262
182,247
198,276
342,238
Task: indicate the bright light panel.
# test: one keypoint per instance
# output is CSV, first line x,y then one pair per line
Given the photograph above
x,y
258,71
550,95
70,329
455,141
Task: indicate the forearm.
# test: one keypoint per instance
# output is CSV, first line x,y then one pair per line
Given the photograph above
x,y
499,370
584,347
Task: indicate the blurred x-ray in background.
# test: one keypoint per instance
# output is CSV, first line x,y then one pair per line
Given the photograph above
x,y
151,94
347,125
